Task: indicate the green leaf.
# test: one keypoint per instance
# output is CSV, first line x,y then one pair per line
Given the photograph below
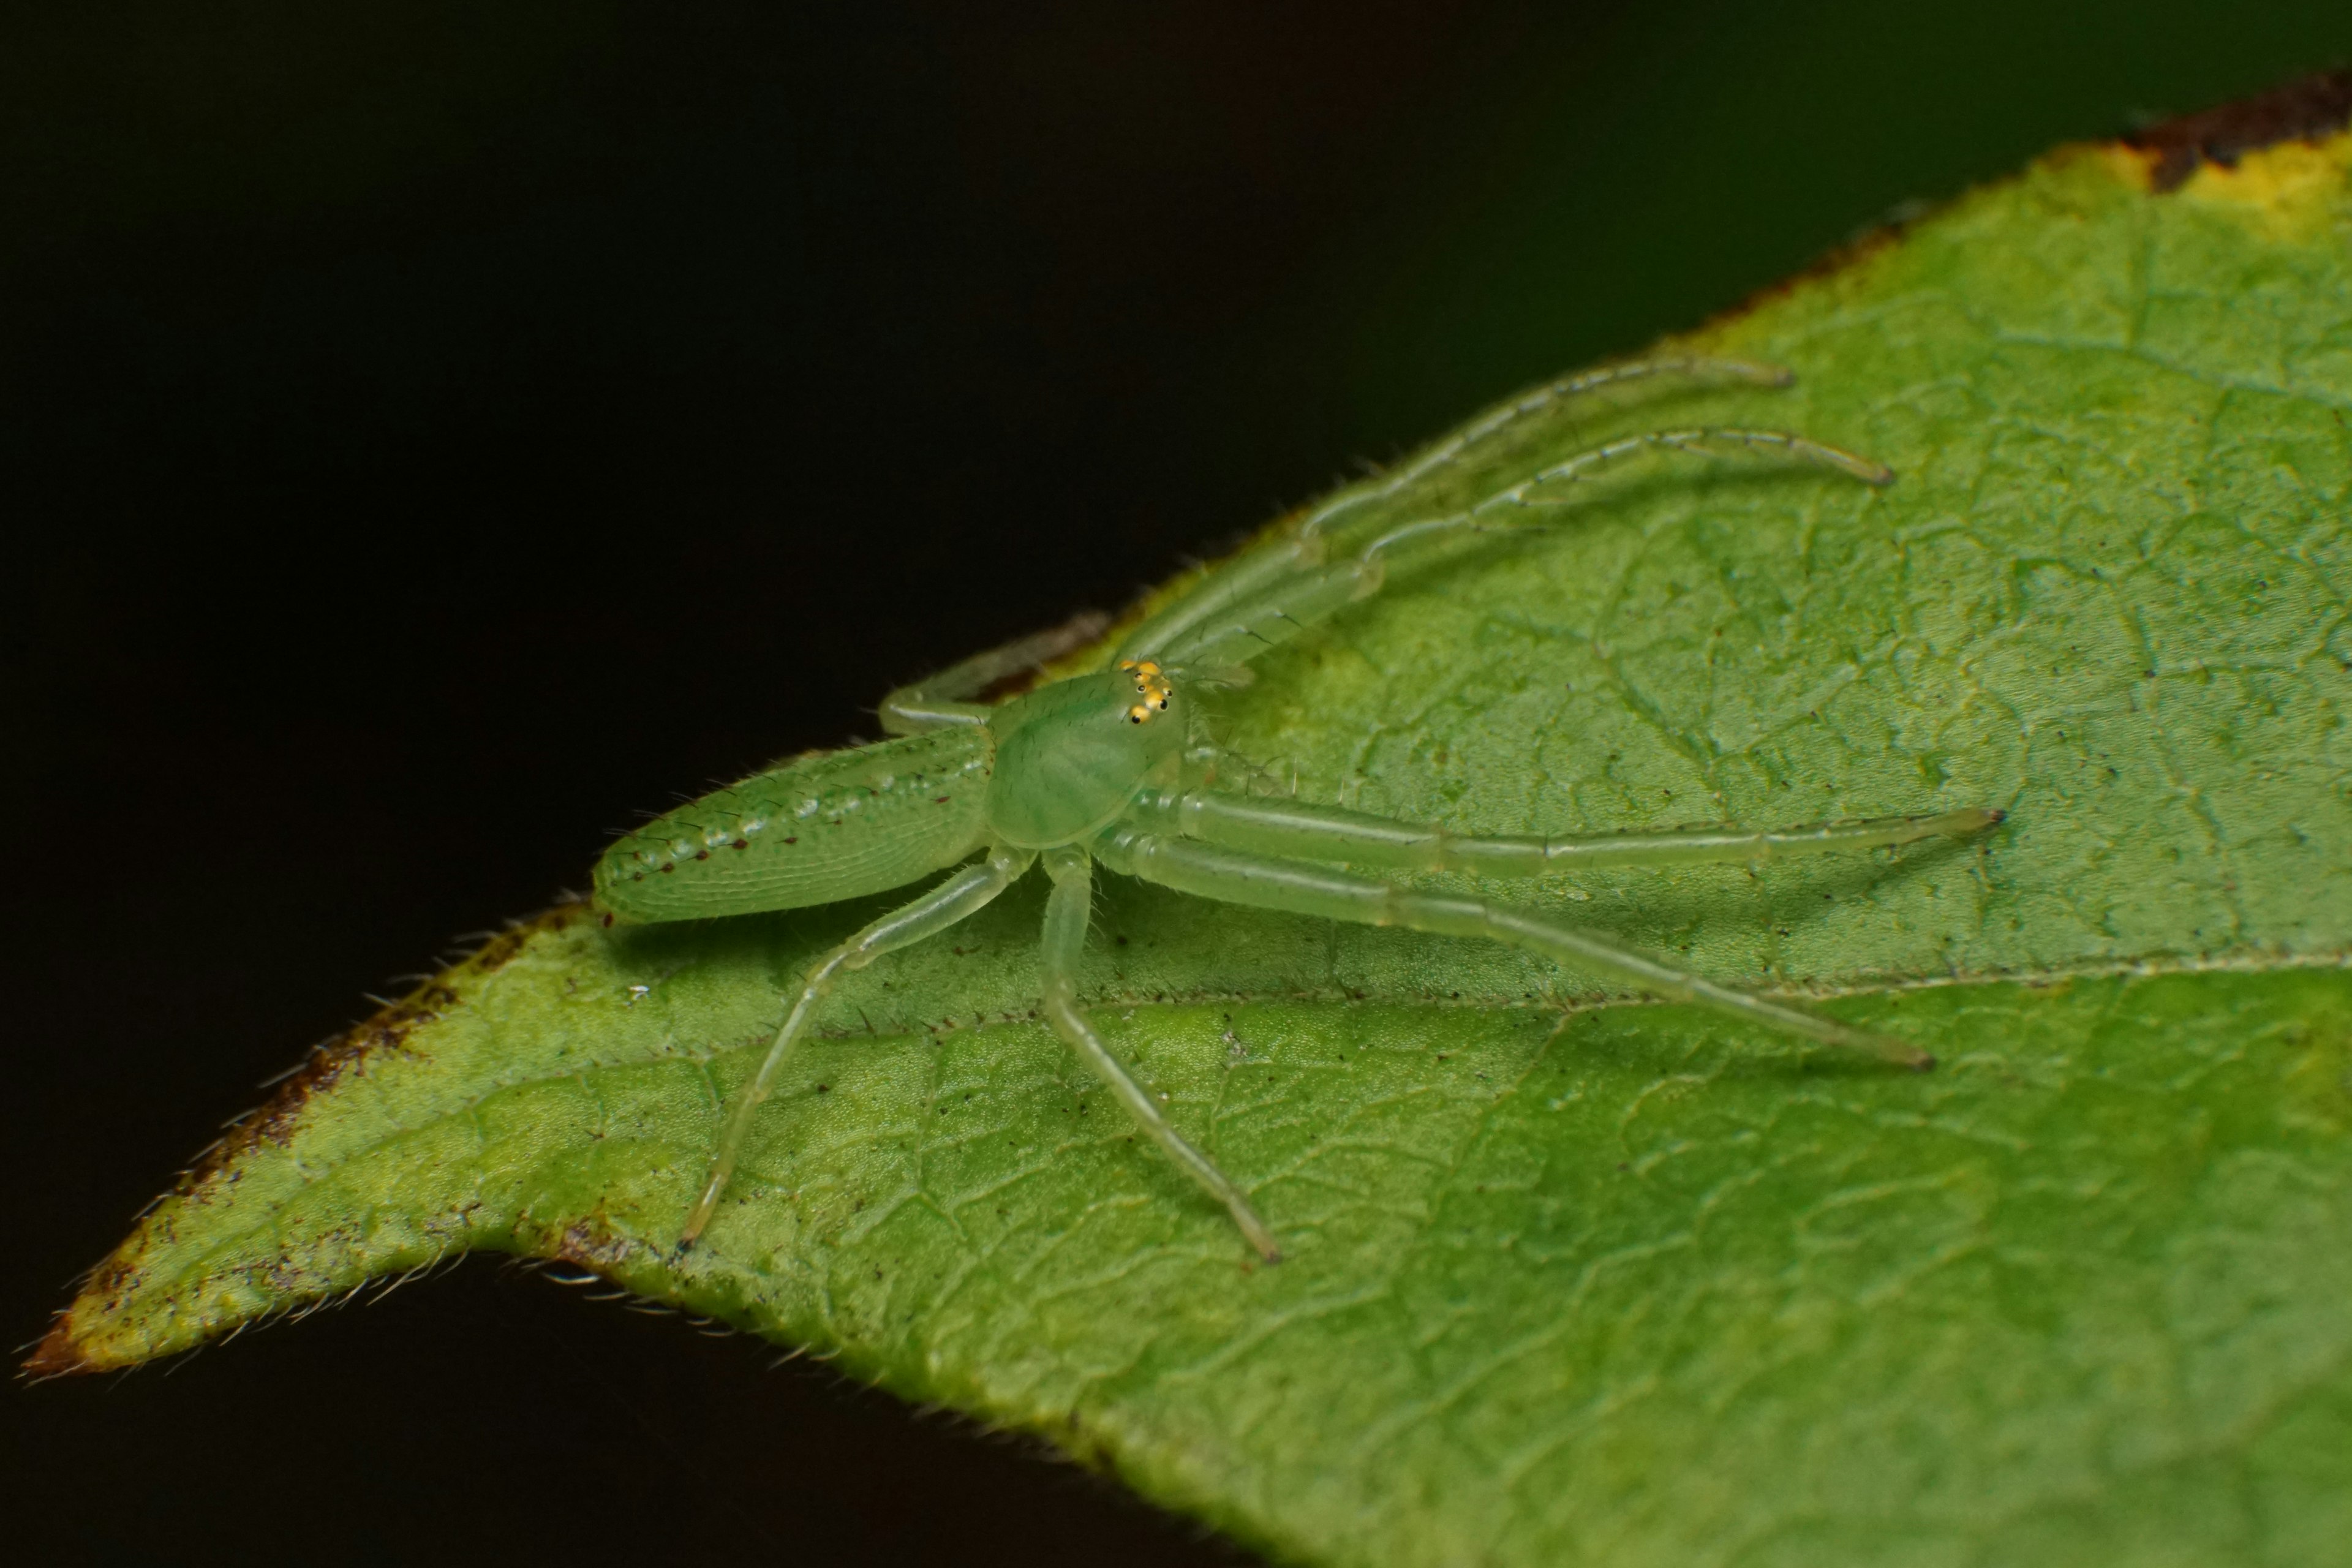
x,y
1572,1280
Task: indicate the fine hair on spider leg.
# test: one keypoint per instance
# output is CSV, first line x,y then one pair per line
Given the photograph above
x,y
1117,767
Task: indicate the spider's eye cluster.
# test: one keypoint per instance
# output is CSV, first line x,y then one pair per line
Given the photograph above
x,y
1151,685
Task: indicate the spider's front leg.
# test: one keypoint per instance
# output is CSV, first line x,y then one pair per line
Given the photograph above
x,y
1274,570
1264,881
1697,367
1281,589
1068,911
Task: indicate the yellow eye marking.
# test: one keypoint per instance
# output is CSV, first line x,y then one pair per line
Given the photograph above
x,y
1150,684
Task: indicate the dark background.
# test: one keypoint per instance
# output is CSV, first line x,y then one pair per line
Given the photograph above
x,y
431,431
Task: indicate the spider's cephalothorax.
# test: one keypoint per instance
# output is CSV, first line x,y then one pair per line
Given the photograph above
x,y
1092,768
1070,756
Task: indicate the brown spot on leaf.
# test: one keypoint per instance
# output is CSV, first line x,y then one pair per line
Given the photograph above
x,y
591,1242
59,1354
2303,110
502,947
2306,108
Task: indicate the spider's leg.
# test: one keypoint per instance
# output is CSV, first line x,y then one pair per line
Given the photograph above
x,y
1274,825
1450,450
1273,568
1262,569
942,907
1243,626
1543,488
1067,912
942,700
1262,881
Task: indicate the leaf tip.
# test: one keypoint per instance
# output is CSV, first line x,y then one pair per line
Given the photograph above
x,y
57,1354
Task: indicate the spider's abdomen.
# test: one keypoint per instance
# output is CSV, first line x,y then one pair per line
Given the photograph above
x,y
1070,756
833,826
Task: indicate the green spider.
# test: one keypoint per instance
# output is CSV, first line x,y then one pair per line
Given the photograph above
x,y
1114,767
